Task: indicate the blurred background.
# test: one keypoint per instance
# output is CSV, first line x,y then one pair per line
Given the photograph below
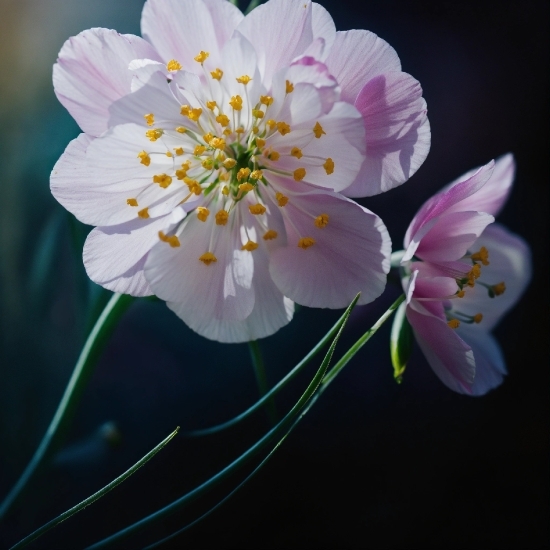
x,y
374,464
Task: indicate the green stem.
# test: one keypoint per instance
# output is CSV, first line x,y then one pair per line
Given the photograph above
x,y
96,496
280,430
275,389
261,379
93,346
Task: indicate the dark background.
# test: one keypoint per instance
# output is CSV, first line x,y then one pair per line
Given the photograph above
x,y
374,464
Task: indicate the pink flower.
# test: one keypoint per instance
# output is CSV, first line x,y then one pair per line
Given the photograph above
x,y
217,153
462,276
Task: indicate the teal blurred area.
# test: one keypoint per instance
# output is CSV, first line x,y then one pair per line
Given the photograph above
x,y
373,465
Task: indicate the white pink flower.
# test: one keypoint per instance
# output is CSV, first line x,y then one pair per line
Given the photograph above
x,y
217,152
462,275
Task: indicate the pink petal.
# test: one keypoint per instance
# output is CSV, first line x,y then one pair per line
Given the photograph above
x,y
350,254
279,30
434,287
180,30
451,237
357,56
442,202
449,356
492,196
323,27
92,72
397,131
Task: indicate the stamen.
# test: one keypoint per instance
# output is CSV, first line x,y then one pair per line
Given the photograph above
x,y
179,151
299,174
222,120
201,58
321,221
208,163
481,256
497,290
306,242
260,142
216,74
164,180
236,102
153,135
229,163
181,130
173,65
144,213
222,216
199,150
131,202
318,130
257,209
169,154
257,113
145,158
281,199
274,156
289,87
202,213
283,128
460,294
149,118
329,166
217,143
257,175
266,100
243,174
195,114
225,190
172,240
211,105
245,187
270,235
453,323
207,258
296,152
245,79
478,318
250,246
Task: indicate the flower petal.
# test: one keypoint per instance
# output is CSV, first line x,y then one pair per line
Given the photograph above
x,y
397,133
92,72
450,357
357,56
349,255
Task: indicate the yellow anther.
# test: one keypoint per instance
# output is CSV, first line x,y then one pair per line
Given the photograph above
x,y
481,256
236,102
224,177
194,185
207,137
222,216
144,158
321,220
217,74
243,174
271,123
172,240
474,273
283,128
266,100
499,288
181,130
257,209
181,174
186,165
299,174
269,235
255,130
202,57
207,258
202,213
274,156
245,79
225,190
169,154
282,200
149,118
131,202
240,130
199,150
289,87
478,317
164,180
306,242
250,246
217,143
258,113
144,213
227,132
460,294
173,65
153,135
208,163
185,110
318,130
257,175
296,152
179,151
223,120
229,163
329,166
260,142
453,323
194,114
211,105
245,187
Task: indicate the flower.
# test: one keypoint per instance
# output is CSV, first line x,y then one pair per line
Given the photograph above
x,y
462,275
217,152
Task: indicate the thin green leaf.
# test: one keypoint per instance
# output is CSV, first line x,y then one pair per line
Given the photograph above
x,y
93,346
96,496
279,431
261,379
401,342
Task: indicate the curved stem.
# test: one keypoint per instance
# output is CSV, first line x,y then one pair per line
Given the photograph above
x,y
81,373
96,496
261,379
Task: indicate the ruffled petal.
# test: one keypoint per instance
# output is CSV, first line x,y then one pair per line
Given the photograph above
x,y
279,30
350,252
181,30
397,133
450,357
357,56
92,72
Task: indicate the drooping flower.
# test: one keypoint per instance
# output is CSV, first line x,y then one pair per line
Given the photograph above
x,y
462,275
217,153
